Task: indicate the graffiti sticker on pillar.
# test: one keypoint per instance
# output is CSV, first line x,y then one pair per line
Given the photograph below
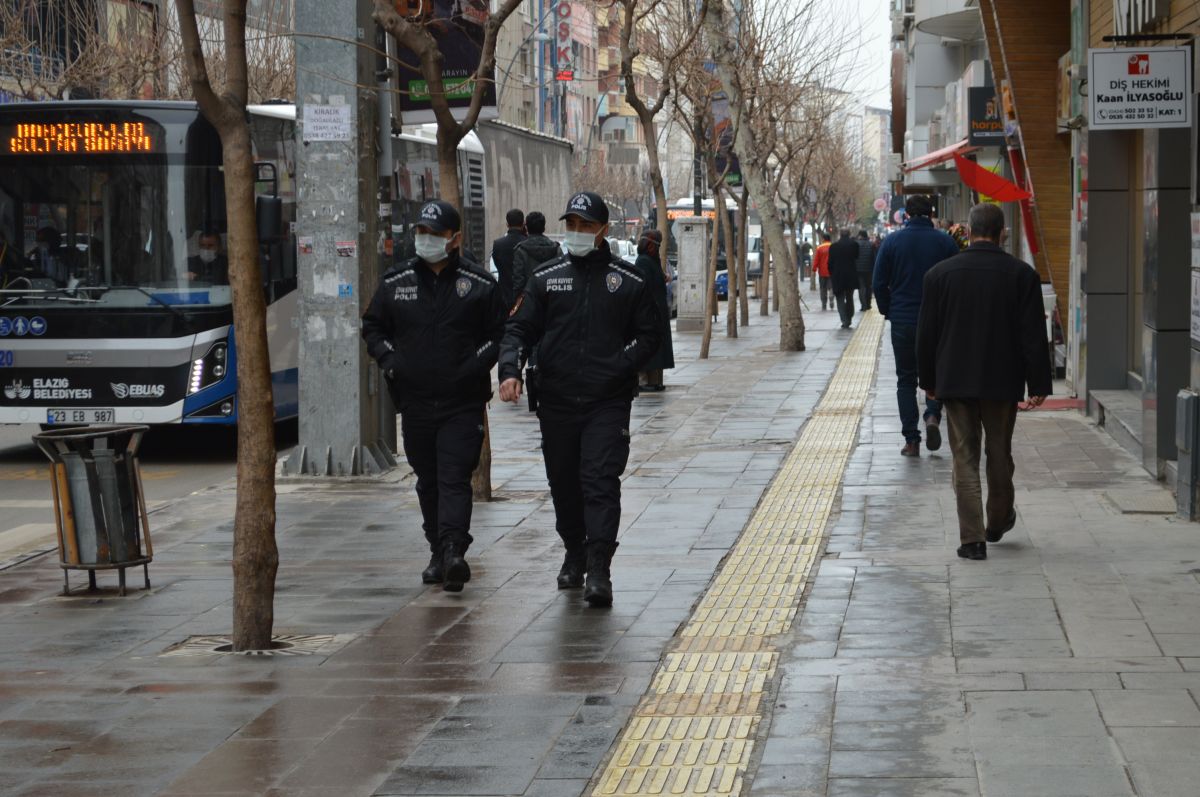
x,y
1135,89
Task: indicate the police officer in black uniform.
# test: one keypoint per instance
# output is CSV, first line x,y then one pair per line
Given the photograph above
x,y
595,325
434,327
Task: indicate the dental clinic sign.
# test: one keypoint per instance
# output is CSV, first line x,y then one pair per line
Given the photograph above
x,y
1135,89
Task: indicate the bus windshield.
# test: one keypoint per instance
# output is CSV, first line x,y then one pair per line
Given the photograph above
x,y
111,226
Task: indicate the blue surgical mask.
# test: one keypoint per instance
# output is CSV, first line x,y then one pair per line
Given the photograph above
x,y
580,244
430,248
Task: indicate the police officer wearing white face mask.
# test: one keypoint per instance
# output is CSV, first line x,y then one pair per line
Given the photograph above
x,y
434,327
595,325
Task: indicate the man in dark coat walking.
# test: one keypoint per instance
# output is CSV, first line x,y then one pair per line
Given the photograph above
x,y
502,253
900,267
981,340
843,256
865,266
649,265
533,251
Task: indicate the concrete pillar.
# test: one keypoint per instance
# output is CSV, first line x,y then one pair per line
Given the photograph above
x,y
691,236
1167,288
1107,261
337,230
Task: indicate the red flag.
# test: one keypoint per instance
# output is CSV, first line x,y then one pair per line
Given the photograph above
x,y
988,182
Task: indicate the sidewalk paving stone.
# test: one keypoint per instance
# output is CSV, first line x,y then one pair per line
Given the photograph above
x,y
1066,664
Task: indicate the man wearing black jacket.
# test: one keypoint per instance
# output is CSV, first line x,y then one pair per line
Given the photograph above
x,y
502,253
434,327
843,257
981,339
594,322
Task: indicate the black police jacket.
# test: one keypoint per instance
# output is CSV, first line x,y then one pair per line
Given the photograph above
x,y
436,334
594,323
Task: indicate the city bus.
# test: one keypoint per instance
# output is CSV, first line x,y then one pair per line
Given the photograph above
x,y
110,310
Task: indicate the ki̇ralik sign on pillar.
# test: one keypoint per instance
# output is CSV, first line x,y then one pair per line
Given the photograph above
x,y
1136,89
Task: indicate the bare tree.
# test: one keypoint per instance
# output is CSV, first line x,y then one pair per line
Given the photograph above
x,y
418,38
774,46
255,555
74,47
648,25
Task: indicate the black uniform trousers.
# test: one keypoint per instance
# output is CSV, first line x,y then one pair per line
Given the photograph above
x,y
443,450
586,449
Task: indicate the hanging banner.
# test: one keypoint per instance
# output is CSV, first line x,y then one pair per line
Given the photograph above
x,y
721,138
458,29
1136,89
564,64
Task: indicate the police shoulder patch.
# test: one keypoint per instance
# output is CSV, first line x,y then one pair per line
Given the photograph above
x,y
462,286
613,281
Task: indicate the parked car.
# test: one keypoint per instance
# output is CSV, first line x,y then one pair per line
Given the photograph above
x,y
722,284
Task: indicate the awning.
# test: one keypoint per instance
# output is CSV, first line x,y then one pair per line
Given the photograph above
x,y
988,182
938,156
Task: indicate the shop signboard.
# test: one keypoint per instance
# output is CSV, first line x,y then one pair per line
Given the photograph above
x,y
986,124
1136,89
458,29
564,70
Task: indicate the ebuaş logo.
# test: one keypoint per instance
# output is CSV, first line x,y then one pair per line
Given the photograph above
x,y
37,326
124,391
17,390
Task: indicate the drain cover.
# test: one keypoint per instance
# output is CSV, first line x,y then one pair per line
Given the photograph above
x,y
1137,502
281,645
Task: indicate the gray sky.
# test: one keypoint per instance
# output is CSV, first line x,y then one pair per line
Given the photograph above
x,y
877,30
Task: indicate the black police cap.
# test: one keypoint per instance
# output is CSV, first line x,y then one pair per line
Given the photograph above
x,y
439,216
587,206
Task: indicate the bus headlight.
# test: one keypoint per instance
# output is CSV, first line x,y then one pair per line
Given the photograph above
x,y
209,369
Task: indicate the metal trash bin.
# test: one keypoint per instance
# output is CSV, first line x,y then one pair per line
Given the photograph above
x,y
99,505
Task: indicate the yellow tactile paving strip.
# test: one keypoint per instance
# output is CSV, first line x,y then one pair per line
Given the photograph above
x,y
695,730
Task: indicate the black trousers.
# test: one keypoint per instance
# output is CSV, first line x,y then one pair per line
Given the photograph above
x,y
864,290
443,450
586,450
845,305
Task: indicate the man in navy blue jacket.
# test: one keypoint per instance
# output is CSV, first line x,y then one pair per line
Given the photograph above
x,y
900,269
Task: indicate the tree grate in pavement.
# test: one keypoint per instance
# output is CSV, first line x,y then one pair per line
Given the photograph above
x,y
695,731
209,646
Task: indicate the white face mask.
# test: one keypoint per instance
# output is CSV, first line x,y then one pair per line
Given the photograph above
x,y
430,248
208,255
580,244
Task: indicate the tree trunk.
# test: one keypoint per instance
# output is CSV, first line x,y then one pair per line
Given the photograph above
x,y
764,282
656,183
791,322
255,555
449,185
710,304
743,231
732,266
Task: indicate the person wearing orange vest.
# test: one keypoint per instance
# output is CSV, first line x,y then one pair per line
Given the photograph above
x,y
821,267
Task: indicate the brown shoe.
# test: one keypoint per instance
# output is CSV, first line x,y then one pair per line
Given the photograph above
x,y
911,450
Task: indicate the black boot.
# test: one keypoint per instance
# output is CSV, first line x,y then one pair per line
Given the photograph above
x,y
570,575
433,573
598,590
455,566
